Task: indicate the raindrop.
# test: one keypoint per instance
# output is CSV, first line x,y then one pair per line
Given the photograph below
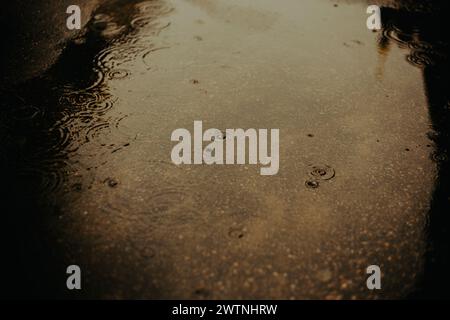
x,y
322,172
439,157
105,25
111,182
114,56
141,22
118,74
312,184
147,55
61,138
42,179
102,17
78,98
397,35
419,59
100,106
96,130
166,199
420,45
148,6
112,30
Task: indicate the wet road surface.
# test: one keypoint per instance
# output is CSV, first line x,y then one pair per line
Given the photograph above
x,y
86,145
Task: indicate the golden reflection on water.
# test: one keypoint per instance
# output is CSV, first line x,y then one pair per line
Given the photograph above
x,y
342,97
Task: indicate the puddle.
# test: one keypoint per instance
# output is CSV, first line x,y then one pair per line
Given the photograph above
x,y
91,136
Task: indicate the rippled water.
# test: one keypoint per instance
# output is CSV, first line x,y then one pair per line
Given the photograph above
x,y
73,98
364,176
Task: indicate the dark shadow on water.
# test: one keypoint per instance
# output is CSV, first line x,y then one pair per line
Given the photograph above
x,y
425,37
43,122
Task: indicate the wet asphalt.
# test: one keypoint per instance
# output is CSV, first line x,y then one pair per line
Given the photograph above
x,y
364,140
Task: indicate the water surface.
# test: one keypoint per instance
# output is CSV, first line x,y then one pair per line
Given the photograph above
x,y
87,143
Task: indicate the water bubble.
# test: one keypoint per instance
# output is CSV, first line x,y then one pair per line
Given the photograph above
x,y
312,184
